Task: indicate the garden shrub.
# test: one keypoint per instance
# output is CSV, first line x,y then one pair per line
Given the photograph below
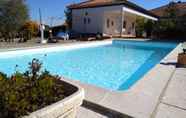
x,y
23,93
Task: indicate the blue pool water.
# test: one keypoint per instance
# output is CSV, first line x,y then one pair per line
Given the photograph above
x,y
116,66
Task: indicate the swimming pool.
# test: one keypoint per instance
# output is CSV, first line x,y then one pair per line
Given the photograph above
x,y
115,66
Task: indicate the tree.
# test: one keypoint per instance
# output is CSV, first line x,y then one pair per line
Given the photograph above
x,y
149,25
31,29
140,26
13,14
68,14
171,11
144,26
172,24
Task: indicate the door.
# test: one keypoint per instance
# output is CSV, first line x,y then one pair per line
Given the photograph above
x,y
111,25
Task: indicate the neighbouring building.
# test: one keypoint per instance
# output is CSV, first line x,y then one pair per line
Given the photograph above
x,y
108,17
172,23
179,6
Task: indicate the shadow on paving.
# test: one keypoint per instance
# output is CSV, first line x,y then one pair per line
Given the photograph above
x,y
173,64
170,64
104,111
179,40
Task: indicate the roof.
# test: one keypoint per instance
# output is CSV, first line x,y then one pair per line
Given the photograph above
x,y
180,7
89,3
103,3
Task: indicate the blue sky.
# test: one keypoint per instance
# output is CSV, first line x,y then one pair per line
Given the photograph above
x,y
55,8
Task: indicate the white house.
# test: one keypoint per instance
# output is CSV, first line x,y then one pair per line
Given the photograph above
x,y
108,17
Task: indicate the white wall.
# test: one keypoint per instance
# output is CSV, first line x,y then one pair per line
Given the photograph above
x,y
96,16
114,29
99,16
130,19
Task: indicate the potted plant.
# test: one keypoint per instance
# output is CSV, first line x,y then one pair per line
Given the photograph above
x,y
37,94
182,56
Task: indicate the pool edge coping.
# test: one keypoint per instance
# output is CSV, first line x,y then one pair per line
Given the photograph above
x,y
109,92
92,90
50,45
51,48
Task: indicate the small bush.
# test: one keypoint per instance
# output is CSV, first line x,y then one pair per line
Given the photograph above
x,y
23,93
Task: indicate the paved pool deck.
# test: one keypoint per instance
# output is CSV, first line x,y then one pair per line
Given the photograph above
x,y
33,43
161,93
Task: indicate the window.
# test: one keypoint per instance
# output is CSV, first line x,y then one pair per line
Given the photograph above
x,y
89,20
124,24
86,13
133,25
112,23
85,21
108,23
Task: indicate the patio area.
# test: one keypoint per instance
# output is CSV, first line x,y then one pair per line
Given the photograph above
x,y
30,43
159,94
170,104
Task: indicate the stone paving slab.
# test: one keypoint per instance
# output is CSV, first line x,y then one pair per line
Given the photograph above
x,y
90,110
165,111
26,46
141,100
176,91
31,43
93,93
86,113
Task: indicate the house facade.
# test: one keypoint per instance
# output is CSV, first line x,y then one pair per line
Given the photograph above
x,y
108,17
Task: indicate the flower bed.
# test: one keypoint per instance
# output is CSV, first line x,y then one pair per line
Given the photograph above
x,y
24,93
